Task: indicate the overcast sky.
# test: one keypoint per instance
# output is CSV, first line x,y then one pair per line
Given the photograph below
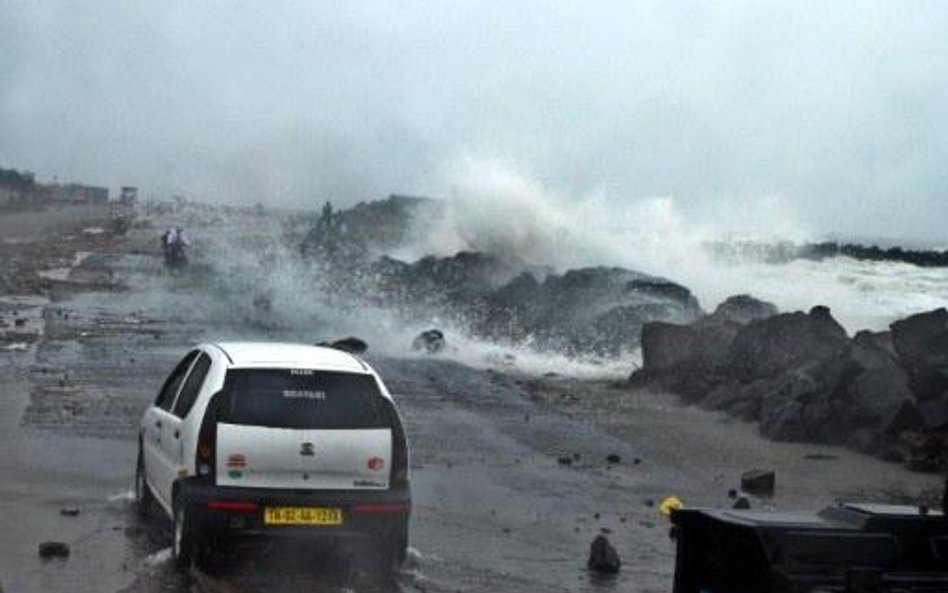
x,y
836,110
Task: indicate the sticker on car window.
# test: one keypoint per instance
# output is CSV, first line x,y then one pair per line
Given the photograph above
x,y
304,394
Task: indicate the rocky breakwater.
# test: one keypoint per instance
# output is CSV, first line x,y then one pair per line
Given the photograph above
x,y
598,310
802,378
494,296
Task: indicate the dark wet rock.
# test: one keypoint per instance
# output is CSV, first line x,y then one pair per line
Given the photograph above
x,y
759,482
352,345
743,308
742,503
431,341
613,458
687,359
603,557
69,512
740,401
769,347
921,342
800,405
53,550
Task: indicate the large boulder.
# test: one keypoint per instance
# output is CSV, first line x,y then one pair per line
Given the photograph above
x,y
743,308
767,348
921,342
804,404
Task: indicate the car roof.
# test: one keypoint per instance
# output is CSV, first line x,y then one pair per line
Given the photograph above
x,y
287,355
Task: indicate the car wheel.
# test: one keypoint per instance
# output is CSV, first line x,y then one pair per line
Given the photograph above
x,y
183,537
143,495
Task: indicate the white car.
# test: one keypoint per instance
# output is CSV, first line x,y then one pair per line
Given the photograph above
x,y
266,440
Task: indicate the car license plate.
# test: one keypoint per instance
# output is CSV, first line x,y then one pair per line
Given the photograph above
x,y
302,516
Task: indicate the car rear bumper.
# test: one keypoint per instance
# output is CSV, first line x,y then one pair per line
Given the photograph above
x,y
231,511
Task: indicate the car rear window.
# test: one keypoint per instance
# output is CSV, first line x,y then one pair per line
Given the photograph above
x,y
290,398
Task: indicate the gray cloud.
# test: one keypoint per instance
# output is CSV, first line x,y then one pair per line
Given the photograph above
x,y
839,109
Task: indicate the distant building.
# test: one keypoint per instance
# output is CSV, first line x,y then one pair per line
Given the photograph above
x,y
75,192
129,195
16,187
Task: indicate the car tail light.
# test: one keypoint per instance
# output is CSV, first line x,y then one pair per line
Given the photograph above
x,y
206,454
399,476
232,506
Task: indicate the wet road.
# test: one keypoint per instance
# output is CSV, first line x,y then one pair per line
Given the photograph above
x,y
495,509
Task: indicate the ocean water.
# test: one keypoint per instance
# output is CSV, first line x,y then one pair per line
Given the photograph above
x,y
498,210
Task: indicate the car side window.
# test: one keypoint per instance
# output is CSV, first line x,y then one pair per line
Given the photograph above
x,y
169,390
192,385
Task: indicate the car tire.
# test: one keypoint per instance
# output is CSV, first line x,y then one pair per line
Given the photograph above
x,y
143,496
183,542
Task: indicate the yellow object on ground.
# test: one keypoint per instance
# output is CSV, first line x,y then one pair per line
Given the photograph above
x,y
669,504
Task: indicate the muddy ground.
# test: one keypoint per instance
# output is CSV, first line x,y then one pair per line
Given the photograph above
x,y
85,344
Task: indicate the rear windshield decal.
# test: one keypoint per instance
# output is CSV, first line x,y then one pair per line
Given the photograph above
x,y
304,394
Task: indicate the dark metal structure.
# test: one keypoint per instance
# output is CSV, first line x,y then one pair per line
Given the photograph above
x,y
851,548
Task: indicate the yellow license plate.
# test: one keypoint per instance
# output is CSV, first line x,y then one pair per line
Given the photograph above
x,y
302,516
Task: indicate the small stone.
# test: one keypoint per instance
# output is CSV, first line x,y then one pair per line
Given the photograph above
x,y
732,493
614,458
596,516
603,558
69,512
649,502
565,460
53,550
636,461
605,530
759,482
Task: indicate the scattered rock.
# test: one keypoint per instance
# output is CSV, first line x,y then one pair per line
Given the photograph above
x,y
759,482
431,341
742,503
732,493
613,458
564,460
603,558
19,322
49,550
69,512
